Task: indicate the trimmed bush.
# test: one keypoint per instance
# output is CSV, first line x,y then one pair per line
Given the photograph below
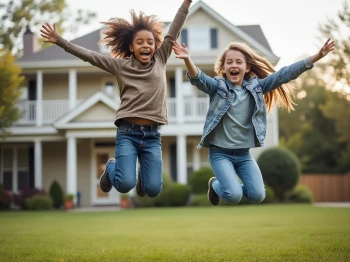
x,y
280,169
56,193
270,195
163,199
198,180
39,202
302,194
201,200
19,199
179,194
5,198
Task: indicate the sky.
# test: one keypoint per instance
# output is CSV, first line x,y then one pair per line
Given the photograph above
x,y
290,26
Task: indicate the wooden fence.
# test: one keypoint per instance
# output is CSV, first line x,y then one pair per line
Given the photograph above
x,y
328,187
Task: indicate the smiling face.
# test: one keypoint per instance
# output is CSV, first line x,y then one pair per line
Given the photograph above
x,y
235,67
143,46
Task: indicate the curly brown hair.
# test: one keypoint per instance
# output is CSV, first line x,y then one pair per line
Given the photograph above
x,y
120,32
261,68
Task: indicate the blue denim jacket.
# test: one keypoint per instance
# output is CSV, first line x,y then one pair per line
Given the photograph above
x,y
220,91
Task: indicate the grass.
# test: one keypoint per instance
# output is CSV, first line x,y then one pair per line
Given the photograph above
x,y
240,233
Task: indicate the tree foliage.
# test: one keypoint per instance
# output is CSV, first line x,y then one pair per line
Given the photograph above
x,y
338,28
17,14
10,80
318,131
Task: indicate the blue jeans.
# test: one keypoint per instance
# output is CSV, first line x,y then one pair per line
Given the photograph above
x,y
230,164
132,142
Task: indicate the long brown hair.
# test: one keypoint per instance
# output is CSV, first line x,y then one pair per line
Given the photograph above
x,y
120,32
261,68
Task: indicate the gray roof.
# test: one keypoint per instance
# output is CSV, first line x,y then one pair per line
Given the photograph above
x,y
256,32
89,41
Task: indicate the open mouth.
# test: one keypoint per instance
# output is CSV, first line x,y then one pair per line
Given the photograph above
x,y
234,73
145,54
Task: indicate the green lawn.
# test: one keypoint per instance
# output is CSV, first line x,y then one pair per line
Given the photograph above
x,y
239,233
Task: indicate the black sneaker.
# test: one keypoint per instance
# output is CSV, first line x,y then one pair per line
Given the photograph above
x,y
213,198
139,190
105,182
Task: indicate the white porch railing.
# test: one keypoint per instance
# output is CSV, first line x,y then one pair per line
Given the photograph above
x,y
195,109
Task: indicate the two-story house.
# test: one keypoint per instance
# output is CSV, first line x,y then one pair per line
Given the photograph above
x,y
67,133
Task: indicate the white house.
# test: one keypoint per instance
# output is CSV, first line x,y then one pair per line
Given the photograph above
x,y
67,132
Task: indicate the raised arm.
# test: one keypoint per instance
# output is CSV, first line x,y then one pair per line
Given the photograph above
x,y
174,31
103,62
182,53
326,48
291,72
197,78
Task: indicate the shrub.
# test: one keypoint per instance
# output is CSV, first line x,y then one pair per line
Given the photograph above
x,y
302,194
270,195
19,199
201,200
5,198
56,193
198,180
39,202
280,169
163,199
179,194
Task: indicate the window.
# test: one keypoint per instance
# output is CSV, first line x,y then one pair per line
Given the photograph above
x,y
213,38
109,88
199,39
184,38
14,173
103,48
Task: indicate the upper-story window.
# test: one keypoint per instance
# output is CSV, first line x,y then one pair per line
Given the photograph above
x,y
110,88
200,38
103,48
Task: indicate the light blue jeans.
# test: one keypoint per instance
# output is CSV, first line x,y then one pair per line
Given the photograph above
x,y
137,142
230,165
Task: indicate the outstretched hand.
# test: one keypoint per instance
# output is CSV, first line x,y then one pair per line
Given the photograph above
x,y
326,48
180,51
50,33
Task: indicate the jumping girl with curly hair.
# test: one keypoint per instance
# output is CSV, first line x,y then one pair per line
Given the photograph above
x,y
139,65
245,89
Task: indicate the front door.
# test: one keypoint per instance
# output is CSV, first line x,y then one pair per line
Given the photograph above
x,y
99,197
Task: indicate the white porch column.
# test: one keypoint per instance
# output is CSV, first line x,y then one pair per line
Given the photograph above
x,y
196,159
38,163
71,180
39,98
179,96
275,132
72,89
181,159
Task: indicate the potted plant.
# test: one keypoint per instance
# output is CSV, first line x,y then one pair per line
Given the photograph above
x,y
124,200
68,201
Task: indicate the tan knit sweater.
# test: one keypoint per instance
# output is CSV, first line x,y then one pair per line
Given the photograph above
x,y
142,87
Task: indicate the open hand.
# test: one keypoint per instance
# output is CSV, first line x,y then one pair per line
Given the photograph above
x,y
180,51
327,47
50,33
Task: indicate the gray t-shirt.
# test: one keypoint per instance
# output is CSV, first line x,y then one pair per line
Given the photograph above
x,y
235,129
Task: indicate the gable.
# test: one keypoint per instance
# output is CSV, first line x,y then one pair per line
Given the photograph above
x,y
100,112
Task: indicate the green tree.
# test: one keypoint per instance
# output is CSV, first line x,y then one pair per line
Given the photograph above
x,y
337,108
10,80
321,140
306,131
338,29
17,14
